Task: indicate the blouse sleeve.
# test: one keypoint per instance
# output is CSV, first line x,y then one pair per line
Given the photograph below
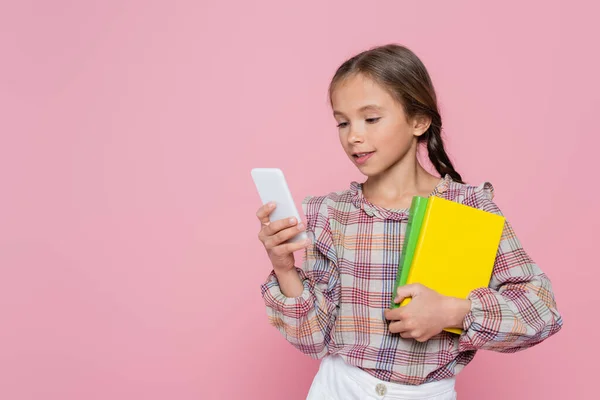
x,y
307,321
518,309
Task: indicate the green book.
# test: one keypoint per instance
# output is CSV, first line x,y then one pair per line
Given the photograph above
x,y
413,228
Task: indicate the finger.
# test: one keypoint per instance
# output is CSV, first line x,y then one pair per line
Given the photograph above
x,y
393,314
398,327
407,335
288,248
406,291
421,338
283,235
278,226
264,211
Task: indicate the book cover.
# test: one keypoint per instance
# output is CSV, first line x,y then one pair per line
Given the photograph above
x,y
456,249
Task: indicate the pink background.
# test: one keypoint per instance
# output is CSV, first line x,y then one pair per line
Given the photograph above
x,y
129,264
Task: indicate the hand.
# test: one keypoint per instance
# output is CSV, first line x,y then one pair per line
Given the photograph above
x,y
273,236
427,314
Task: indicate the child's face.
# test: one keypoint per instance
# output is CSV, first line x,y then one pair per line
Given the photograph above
x,y
371,121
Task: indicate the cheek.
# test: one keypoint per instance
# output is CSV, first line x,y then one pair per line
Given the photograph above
x,y
343,137
392,138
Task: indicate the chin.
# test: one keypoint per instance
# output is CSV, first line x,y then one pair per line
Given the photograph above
x,y
368,171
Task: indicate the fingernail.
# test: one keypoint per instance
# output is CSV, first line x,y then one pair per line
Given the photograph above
x,y
271,204
292,220
396,300
300,225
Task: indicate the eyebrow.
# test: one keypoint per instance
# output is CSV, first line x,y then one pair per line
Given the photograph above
x,y
363,108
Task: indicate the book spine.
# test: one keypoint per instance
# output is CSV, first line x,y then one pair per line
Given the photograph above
x,y
413,236
419,244
401,266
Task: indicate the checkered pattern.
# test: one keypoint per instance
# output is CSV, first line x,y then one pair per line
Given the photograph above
x,y
349,274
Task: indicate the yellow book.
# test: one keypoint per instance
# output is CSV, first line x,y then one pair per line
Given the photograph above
x,y
456,249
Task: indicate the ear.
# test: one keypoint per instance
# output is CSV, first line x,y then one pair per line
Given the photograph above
x,y
420,124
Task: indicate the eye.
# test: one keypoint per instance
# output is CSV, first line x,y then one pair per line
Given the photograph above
x,y
372,120
342,125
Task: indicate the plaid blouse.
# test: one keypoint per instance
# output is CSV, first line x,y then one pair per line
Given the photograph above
x,y
349,273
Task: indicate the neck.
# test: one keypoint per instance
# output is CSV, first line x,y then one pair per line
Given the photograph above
x,y
404,179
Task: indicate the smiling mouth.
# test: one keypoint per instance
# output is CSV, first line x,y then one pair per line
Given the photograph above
x,y
361,158
360,155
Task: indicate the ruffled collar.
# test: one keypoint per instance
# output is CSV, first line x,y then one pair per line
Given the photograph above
x,y
359,200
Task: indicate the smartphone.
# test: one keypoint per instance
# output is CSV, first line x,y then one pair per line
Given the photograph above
x,y
272,186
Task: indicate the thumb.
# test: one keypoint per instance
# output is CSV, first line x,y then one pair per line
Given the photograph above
x,y
405,291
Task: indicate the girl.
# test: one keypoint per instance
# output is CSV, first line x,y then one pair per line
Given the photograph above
x,y
335,307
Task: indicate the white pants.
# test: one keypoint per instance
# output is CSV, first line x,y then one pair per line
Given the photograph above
x,y
338,380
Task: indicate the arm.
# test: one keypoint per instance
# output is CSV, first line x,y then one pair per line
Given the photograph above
x,y
518,309
306,315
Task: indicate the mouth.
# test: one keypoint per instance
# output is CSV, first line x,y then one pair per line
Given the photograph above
x,y
361,158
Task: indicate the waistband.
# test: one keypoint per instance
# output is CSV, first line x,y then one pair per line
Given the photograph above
x,y
383,388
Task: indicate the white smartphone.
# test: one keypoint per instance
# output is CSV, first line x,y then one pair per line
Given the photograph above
x,y
272,186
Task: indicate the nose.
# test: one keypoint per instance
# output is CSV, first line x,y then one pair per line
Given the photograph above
x,y
356,135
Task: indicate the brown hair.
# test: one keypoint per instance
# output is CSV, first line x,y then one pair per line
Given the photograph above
x,y
403,74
